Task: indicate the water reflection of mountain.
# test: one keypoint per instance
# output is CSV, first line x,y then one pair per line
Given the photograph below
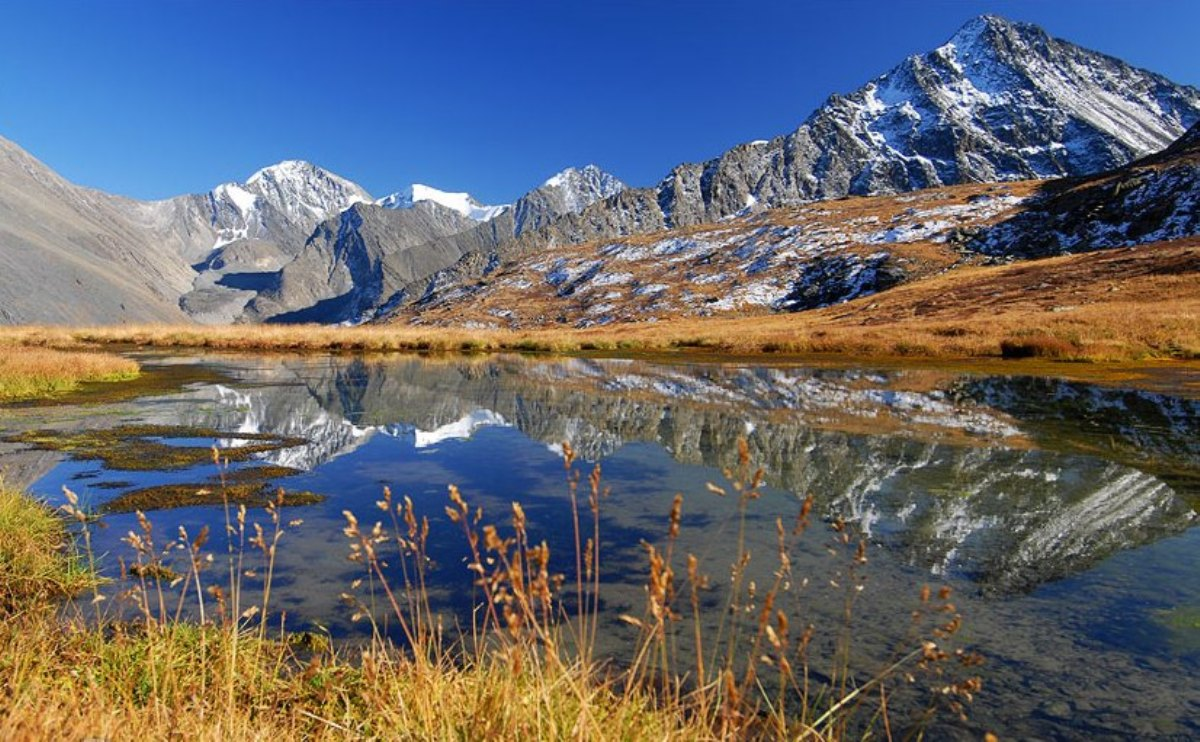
x,y
963,475
1153,432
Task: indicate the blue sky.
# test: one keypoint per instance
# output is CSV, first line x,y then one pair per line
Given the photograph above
x,y
151,99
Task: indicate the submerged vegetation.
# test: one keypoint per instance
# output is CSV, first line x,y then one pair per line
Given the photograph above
x,y
190,640
142,447
167,496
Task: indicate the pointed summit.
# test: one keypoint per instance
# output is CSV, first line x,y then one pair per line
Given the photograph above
x,y
281,202
1000,100
299,187
981,26
581,187
569,191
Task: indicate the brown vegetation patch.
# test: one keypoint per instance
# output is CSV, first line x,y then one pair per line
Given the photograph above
x,y
168,496
134,448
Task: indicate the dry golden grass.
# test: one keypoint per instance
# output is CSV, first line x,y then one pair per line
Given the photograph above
x,y
29,372
82,675
1116,305
34,560
526,670
212,684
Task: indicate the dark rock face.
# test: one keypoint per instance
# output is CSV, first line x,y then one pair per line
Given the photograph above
x,y
829,280
1156,198
356,260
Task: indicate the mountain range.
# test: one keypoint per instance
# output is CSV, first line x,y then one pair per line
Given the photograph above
x,y
1000,102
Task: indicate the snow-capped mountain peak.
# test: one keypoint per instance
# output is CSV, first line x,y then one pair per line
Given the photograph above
x,y
998,101
463,203
281,202
569,191
1006,83
301,188
581,187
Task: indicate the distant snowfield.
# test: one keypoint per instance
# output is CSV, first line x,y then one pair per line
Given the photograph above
x,y
463,203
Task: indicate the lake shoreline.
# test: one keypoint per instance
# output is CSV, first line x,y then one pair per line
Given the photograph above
x,y
931,442
1149,373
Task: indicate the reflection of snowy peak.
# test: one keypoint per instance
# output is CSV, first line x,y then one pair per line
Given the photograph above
x,y
942,473
463,203
289,412
959,476
460,429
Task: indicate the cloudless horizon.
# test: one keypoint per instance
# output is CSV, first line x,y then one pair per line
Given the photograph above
x,y
158,98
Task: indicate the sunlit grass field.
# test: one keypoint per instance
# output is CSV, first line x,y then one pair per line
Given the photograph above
x,y
27,373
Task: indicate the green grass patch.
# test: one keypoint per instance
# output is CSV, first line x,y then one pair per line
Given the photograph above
x,y
37,559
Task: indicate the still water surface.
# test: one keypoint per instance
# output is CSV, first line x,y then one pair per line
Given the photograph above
x,y
1062,513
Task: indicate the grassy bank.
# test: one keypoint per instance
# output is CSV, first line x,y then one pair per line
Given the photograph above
x,y
36,561
188,647
30,372
1117,305
218,684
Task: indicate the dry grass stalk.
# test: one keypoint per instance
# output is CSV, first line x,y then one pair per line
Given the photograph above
x,y
218,669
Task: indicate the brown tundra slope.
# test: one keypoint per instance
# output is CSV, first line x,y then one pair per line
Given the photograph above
x,y
825,253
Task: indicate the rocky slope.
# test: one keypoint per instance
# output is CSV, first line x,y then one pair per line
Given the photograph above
x,y
73,255
376,258
784,259
355,260
809,256
1153,199
1000,101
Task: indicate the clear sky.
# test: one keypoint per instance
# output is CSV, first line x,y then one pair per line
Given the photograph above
x,y
156,98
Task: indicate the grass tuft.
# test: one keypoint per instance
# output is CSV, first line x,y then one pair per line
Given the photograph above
x,y
36,558
31,372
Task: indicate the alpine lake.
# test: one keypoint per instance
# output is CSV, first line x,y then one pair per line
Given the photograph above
x,y
1062,514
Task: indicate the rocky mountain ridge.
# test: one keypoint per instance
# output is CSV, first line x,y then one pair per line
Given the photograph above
x,y
1154,199
825,252
1000,101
